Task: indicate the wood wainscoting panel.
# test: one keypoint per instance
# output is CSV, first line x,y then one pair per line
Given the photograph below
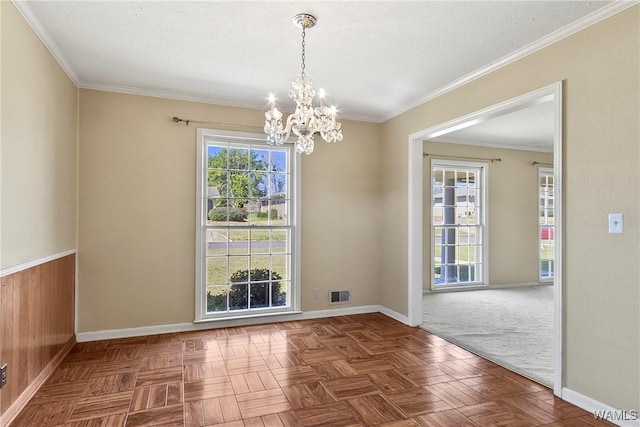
x,y
36,327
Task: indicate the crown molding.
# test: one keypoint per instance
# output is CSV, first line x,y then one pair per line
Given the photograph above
x,y
601,14
513,146
178,96
45,38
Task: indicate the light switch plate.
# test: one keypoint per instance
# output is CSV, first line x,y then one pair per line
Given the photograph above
x,y
616,223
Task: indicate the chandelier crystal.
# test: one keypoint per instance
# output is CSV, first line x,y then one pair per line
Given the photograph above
x,y
306,121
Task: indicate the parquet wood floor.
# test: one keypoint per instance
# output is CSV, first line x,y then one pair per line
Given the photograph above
x,y
363,370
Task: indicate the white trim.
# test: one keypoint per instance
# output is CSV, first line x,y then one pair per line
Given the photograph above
x,y
486,287
178,96
511,146
76,287
558,284
34,263
45,38
414,224
552,92
76,305
394,315
586,21
227,323
592,405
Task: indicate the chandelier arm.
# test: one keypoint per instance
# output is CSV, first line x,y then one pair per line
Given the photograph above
x,y
288,126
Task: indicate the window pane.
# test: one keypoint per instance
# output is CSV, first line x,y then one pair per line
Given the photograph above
x,y
239,159
438,215
238,242
239,297
278,185
279,266
217,157
260,268
216,242
278,161
217,298
254,216
260,295
238,268
279,238
278,208
438,181
239,188
258,184
471,179
217,273
279,292
259,242
259,159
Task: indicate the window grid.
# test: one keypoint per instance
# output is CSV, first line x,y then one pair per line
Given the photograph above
x,y
248,229
546,225
457,224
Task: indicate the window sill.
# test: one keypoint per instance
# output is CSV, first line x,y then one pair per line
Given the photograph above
x,y
246,317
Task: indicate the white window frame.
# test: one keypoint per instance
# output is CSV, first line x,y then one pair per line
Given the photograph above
x,y
483,223
544,171
204,137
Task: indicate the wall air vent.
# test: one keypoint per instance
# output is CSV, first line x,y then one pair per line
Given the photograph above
x,y
339,297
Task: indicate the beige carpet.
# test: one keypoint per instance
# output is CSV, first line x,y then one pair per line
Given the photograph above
x,y
512,327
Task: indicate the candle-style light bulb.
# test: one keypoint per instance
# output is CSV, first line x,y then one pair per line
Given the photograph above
x,y
272,100
333,111
321,94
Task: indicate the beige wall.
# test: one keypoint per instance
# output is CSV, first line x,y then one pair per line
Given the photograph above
x,y
512,191
600,68
137,211
39,140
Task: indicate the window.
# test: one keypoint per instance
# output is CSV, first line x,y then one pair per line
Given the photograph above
x,y
547,229
458,218
246,234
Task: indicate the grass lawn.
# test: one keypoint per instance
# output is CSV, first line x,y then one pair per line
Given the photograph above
x,y
240,230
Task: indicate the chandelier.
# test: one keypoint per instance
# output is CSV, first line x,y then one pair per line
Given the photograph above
x,y
306,121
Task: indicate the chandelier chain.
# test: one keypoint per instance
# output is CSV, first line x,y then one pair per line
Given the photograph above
x,y
303,49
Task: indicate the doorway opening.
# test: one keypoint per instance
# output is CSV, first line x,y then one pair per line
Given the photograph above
x,y
419,233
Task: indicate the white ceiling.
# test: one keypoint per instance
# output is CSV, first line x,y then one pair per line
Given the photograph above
x,y
530,128
375,59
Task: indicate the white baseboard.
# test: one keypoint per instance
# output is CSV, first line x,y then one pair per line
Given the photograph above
x,y
29,264
592,405
393,314
186,327
519,285
463,288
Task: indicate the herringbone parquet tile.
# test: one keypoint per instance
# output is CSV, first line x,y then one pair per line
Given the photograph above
x,y
364,370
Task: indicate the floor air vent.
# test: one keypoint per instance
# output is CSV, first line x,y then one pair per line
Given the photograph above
x,y
339,297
